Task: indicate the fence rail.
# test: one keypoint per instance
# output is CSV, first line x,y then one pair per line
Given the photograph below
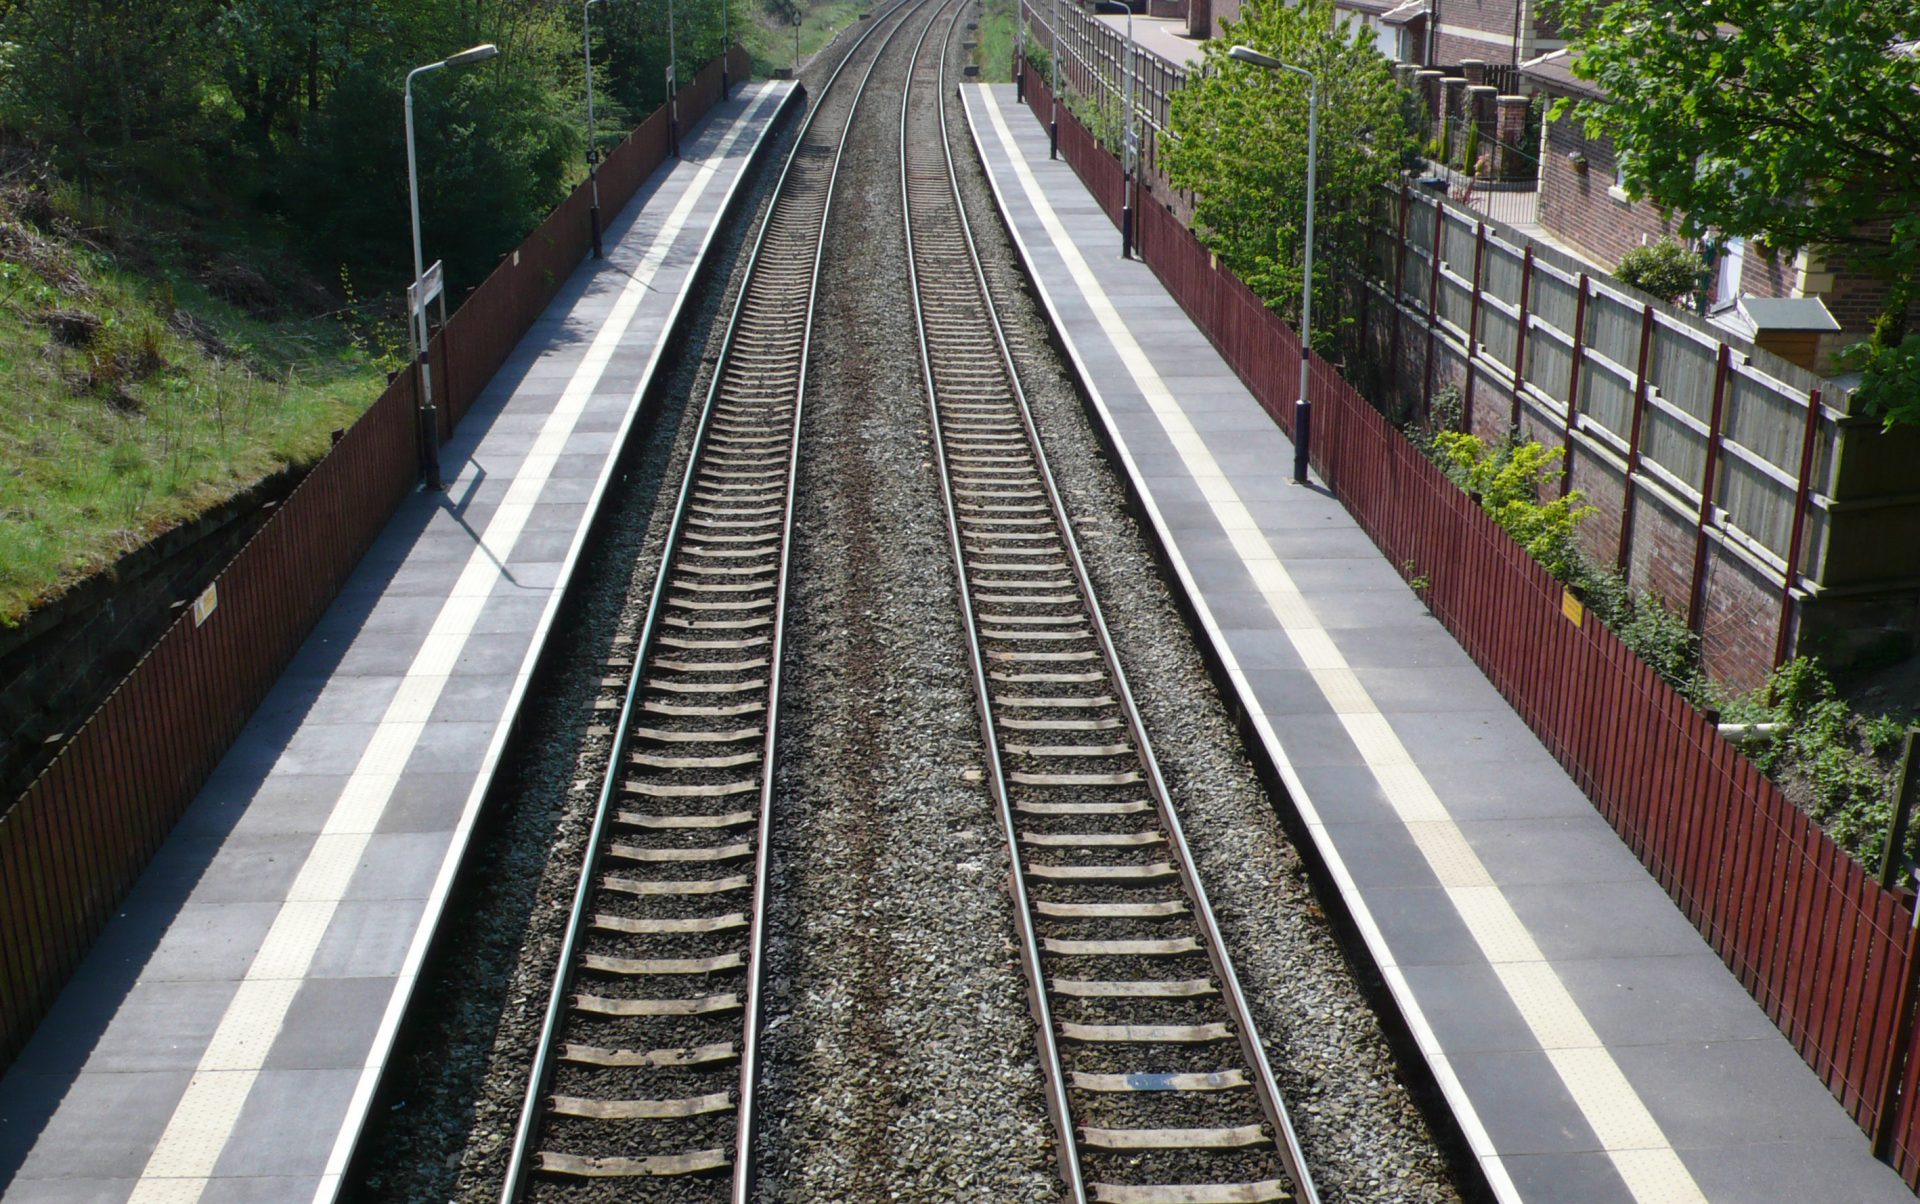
x,y
74,843
1093,61
1827,952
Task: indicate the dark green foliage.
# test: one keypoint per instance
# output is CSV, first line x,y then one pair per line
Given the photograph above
x,y
289,111
1241,140
1664,269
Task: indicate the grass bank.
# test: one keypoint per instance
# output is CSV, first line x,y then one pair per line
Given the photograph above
x,y
770,39
150,369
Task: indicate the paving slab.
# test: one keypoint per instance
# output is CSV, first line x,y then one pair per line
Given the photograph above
x,y
222,1041
1587,1041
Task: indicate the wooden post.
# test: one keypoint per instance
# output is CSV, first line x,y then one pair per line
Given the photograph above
x,y
1883,1131
1695,600
1633,440
1520,338
1433,304
1399,283
1802,495
1473,322
1573,380
1907,785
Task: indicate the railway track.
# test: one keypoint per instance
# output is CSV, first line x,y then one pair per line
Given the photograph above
x,y
1158,1085
643,1084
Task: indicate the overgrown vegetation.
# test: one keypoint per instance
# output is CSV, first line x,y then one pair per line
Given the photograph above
x,y
1240,142
770,36
1837,763
993,52
204,229
1662,269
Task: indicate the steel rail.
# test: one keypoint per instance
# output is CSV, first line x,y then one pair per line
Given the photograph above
x,y
1245,1028
531,1113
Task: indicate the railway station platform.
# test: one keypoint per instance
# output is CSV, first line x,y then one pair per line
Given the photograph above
x,y
224,1039
1590,1043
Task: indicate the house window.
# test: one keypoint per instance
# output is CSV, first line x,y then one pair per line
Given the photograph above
x,y
1726,277
1618,189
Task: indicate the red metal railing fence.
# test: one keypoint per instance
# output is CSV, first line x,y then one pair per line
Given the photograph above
x,y
75,842
1823,948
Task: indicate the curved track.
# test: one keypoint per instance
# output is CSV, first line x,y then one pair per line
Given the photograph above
x,y
643,1087
1158,1084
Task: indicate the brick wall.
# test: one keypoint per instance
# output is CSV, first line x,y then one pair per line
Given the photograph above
x,y
1577,207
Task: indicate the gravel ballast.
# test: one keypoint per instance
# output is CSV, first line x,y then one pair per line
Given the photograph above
x,y
898,1055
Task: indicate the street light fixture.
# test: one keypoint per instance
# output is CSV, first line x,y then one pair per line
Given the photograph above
x,y
1129,161
417,320
593,148
673,88
1302,408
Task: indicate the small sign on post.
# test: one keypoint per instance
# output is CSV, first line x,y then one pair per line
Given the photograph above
x,y
423,292
206,604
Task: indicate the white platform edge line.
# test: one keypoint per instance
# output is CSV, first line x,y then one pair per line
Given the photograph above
x,y
333,1177
1466,1115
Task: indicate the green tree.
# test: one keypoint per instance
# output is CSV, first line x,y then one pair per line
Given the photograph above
x,y
1797,122
1240,143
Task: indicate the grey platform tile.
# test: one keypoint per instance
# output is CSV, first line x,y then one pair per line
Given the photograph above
x,y
368,654
430,578
454,746
331,1023
426,802
89,1126
398,865
1381,855
482,697
1469,1008
1582,1178
1543,852
1284,695
1315,739
103,1025
235,800
556,516
1242,610
367,939
205,942
1664,1000
1434,688
1314,577
1190,513
1422,927
68,1191
534,547
1836,1170
1348,795
1490,737
1533,786
1264,648
501,653
326,748
1330,541
1604,919
1687,1087
342,700
288,1126
543,577
400,614
248,866
1370,608
1523,1104
261,1189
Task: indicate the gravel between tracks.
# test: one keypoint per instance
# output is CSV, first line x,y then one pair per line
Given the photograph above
x,y
899,1058
1362,1134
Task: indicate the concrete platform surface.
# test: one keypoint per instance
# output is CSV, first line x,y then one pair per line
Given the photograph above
x,y
1590,1043
224,1038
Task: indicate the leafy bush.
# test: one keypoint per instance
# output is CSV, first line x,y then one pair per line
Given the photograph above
x,y
1509,480
1664,269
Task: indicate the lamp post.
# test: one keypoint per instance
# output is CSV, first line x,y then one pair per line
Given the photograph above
x,y
1131,139
1020,53
673,88
1053,100
417,320
1303,408
593,149
726,48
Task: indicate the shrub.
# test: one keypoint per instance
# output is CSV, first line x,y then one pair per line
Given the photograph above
x,y
1508,480
1664,269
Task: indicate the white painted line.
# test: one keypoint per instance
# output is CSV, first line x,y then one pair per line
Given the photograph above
x,y
1640,1151
178,1169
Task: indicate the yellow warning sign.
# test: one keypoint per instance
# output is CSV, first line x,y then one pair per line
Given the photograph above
x,y
204,605
1571,608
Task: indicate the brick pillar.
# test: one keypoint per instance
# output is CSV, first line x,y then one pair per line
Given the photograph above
x,y
1475,70
1453,90
1199,18
1480,113
1510,127
1427,88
